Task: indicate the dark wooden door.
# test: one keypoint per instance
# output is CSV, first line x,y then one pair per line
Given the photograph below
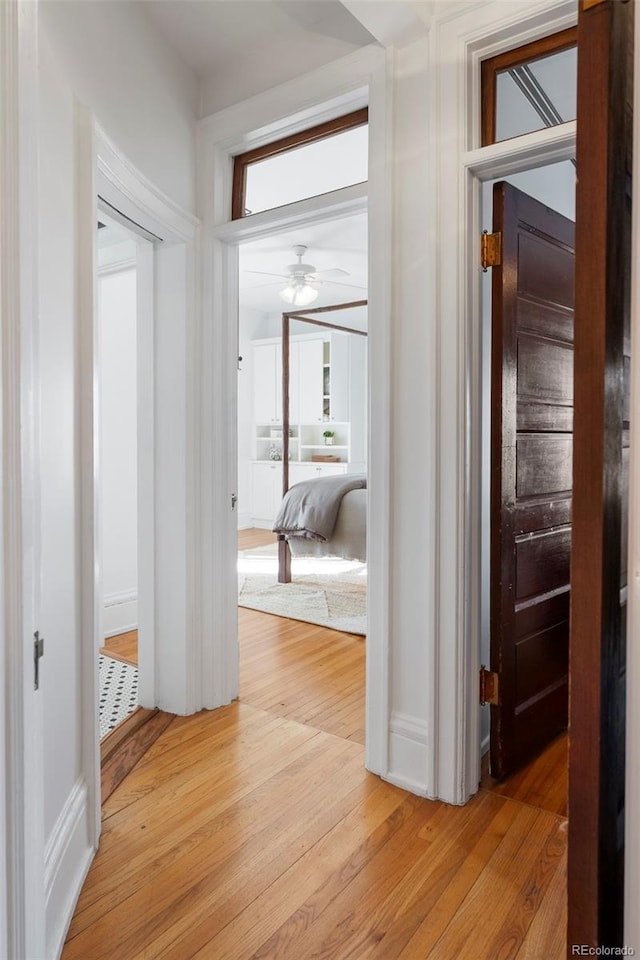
x,y
531,481
598,608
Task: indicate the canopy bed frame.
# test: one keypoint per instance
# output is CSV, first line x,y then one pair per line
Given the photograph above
x,y
311,316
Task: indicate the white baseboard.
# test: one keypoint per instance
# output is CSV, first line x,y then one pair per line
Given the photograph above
x,y
408,739
245,521
68,856
120,613
261,524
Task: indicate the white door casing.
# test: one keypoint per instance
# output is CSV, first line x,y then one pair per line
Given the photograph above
x,y
167,428
461,167
326,93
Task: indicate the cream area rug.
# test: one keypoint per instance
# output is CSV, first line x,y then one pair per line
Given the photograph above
x,y
328,591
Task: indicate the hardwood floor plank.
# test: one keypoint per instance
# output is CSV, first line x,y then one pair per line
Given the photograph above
x,y
385,856
214,829
254,832
204,878
484,921
123,759
542,783
255,537
303,672
244,933
123,647
546,936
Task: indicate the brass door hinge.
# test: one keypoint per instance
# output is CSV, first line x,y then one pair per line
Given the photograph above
x,y
490,250
488,687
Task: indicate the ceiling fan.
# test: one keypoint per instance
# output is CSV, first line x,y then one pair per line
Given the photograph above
x,y
303,281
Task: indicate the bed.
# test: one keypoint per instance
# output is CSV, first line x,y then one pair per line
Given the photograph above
x,y
341,513
323,517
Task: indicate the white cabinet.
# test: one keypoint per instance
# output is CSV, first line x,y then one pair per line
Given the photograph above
x,y
312,440
311,471
310,379
327,391
339,378
266,492
267,383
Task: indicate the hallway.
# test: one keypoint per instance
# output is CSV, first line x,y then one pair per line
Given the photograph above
x,y
254,831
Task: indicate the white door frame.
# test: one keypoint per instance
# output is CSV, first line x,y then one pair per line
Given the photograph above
x,y
22,893
462,167
165,326
321,95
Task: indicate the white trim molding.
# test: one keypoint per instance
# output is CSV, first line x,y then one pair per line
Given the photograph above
x,y
408,746
21,716
67,859
168,456
90,608
124,596
333,90
129,192
458,45
120,613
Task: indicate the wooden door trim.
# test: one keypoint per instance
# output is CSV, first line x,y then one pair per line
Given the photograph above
x,y
596,846
242,161
526,53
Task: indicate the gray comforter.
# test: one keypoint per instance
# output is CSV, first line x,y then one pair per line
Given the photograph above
x,y
310,509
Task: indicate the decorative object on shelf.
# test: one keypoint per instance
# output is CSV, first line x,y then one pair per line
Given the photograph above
x,y
325,458
328,437
275,452
276,433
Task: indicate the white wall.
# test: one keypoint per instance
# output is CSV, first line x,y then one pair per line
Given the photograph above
x,y
413,427
119,448
143,95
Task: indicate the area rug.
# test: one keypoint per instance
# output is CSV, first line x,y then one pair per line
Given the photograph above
x,y
118,692
324,590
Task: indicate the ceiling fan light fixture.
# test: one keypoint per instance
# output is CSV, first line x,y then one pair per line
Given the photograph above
x,y
299,294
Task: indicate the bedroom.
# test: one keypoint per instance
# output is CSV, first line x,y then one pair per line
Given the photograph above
x,y
313,423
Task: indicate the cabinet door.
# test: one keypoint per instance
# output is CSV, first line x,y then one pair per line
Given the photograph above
x,y
358,399
340,380
311,471
267,383
294,383
266,491
310,353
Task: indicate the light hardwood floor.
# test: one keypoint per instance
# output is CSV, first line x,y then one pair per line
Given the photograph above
x,y
123,647
254,832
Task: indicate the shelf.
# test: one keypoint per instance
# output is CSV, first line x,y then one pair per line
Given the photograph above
x,y
324,446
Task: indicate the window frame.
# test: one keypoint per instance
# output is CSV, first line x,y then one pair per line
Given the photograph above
x,y
322,131
527,53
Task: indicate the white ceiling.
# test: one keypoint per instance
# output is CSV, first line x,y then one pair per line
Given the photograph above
x,y
339,244
240,47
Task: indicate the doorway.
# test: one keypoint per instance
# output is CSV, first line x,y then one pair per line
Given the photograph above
x,y
118,465
327,389
527,424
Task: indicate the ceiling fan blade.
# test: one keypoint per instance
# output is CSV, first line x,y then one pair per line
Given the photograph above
x,y
265,273
339,283
336,271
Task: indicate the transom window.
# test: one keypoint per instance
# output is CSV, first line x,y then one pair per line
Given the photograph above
x,y
327,157
529,88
